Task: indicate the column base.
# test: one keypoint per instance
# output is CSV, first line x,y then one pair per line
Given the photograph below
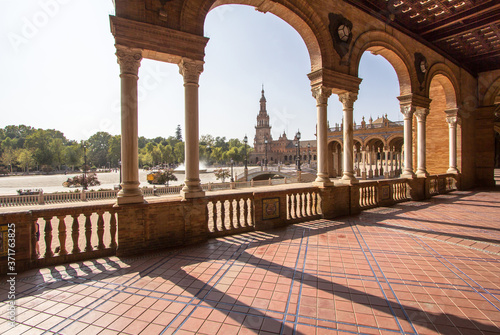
x,y
408,175
130,200
191,194
452,170
192,189
322,181
422,174
363,175
370,174
349,179
129,194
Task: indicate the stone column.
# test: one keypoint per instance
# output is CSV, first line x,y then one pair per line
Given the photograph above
x,y
191,71
386,168
130,61
452,119
335,163
363,160
370,159
347,100
421,115
321,94
407,111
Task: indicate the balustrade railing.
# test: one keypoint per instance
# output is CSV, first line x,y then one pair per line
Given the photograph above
x,y
73,234
303,203
230,214
400,191
368,195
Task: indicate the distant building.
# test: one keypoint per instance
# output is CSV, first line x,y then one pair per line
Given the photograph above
x,y
281,151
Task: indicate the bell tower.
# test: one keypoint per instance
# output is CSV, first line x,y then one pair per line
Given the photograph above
x,y
262,129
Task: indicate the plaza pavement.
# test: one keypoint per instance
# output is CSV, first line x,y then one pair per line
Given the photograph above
x,y
429,267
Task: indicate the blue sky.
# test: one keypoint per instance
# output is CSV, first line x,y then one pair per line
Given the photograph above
x,y
59,71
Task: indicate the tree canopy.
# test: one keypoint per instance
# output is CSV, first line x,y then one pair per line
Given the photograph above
x,y
24,148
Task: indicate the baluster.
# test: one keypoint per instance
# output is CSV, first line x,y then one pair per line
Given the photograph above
x,y
300,204
48,237
35,252
223,215
308,201
215,212
250,212
75,233
231,214
370,196
361,196
244,221
304,204
100,230
294,206
88,232
112,229
207,214
238,223
289,206
62,235
315,203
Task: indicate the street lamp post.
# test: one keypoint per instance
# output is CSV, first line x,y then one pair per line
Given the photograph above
x,y
265,161
209,151
298,150
84,186
309,153
232,175
245,141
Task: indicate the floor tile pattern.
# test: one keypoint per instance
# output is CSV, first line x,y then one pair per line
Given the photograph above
x,y
429,267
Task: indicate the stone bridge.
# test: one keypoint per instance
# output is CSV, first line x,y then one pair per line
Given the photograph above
x,y
258,174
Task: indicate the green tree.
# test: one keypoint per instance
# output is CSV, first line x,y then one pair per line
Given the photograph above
x,y
98,147
9,157
58,152
178,133
179,152
114,150
25,159
73,155
222,174
39,143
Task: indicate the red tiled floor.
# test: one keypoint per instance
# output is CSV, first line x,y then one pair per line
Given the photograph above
x,y
414,268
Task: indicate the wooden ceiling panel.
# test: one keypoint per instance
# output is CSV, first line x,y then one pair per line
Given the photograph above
x,y
466,30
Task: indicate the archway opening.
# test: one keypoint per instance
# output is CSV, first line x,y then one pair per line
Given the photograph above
x,y
240,63
442,94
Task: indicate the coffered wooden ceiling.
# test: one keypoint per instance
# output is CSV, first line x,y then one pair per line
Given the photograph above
x,y
466,30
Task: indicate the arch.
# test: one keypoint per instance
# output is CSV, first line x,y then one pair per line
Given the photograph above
x,y
441,89
302,18
492,94
444,75
374,138
381,43
336,142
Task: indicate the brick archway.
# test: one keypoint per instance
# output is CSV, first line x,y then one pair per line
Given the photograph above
x,y
443,105
492,95
381,43
301,17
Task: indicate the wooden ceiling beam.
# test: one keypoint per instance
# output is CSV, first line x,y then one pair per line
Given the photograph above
x,y
463,29
471,13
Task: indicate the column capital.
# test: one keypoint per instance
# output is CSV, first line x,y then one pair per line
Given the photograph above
x,y
321,94
452,116
407,111
414,100
348,98
129,60
421,114
190,70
